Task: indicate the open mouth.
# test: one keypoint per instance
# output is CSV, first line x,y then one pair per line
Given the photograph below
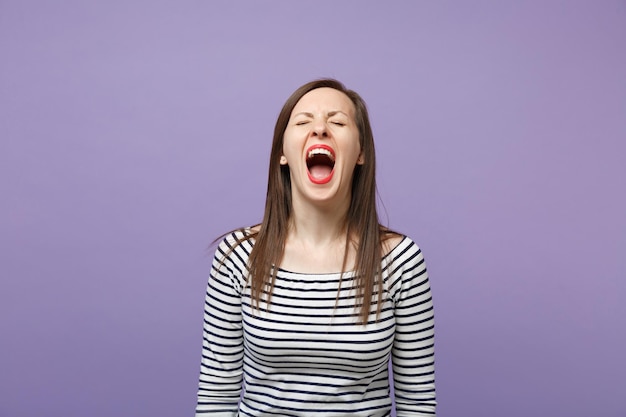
x,y
320,162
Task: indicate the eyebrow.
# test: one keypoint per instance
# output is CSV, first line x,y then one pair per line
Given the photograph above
x,y
329,114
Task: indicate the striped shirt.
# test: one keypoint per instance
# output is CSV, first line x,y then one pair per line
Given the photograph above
x,y
305,354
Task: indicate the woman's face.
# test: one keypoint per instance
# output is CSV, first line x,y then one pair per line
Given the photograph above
x,y
321,147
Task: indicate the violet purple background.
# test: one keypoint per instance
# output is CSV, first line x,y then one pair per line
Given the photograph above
x,y
133,133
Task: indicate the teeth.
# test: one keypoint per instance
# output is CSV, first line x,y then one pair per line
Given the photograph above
x,y
321,151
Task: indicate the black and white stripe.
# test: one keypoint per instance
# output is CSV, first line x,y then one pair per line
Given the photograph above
x,y
305,355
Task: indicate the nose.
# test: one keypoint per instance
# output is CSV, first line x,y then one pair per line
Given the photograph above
x,y
320,129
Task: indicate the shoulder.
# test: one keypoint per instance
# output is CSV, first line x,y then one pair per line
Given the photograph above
x,y
405,270
237,236
401,253
235,246
393,243
389,240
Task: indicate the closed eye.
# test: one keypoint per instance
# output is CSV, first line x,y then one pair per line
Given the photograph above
x,y
338,123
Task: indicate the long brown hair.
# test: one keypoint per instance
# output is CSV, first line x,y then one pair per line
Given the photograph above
x,y
363,229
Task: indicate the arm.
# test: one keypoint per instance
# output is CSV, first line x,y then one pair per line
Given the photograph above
x,y
413,353
222,344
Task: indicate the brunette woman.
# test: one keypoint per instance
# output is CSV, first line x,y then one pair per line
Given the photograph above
x,y
305,311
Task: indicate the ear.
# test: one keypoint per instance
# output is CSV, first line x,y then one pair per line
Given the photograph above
x,y
361,159
283,160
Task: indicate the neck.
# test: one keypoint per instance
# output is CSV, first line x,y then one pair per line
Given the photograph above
x,y
315,225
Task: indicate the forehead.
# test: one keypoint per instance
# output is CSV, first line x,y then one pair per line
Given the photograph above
x,y
323,100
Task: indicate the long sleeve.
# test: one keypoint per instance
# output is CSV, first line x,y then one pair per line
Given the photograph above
x,y
222,345
413,354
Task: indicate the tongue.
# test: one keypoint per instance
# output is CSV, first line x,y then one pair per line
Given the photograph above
x,y
320,171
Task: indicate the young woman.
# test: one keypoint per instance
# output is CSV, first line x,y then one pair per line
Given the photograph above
x,y
304,311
